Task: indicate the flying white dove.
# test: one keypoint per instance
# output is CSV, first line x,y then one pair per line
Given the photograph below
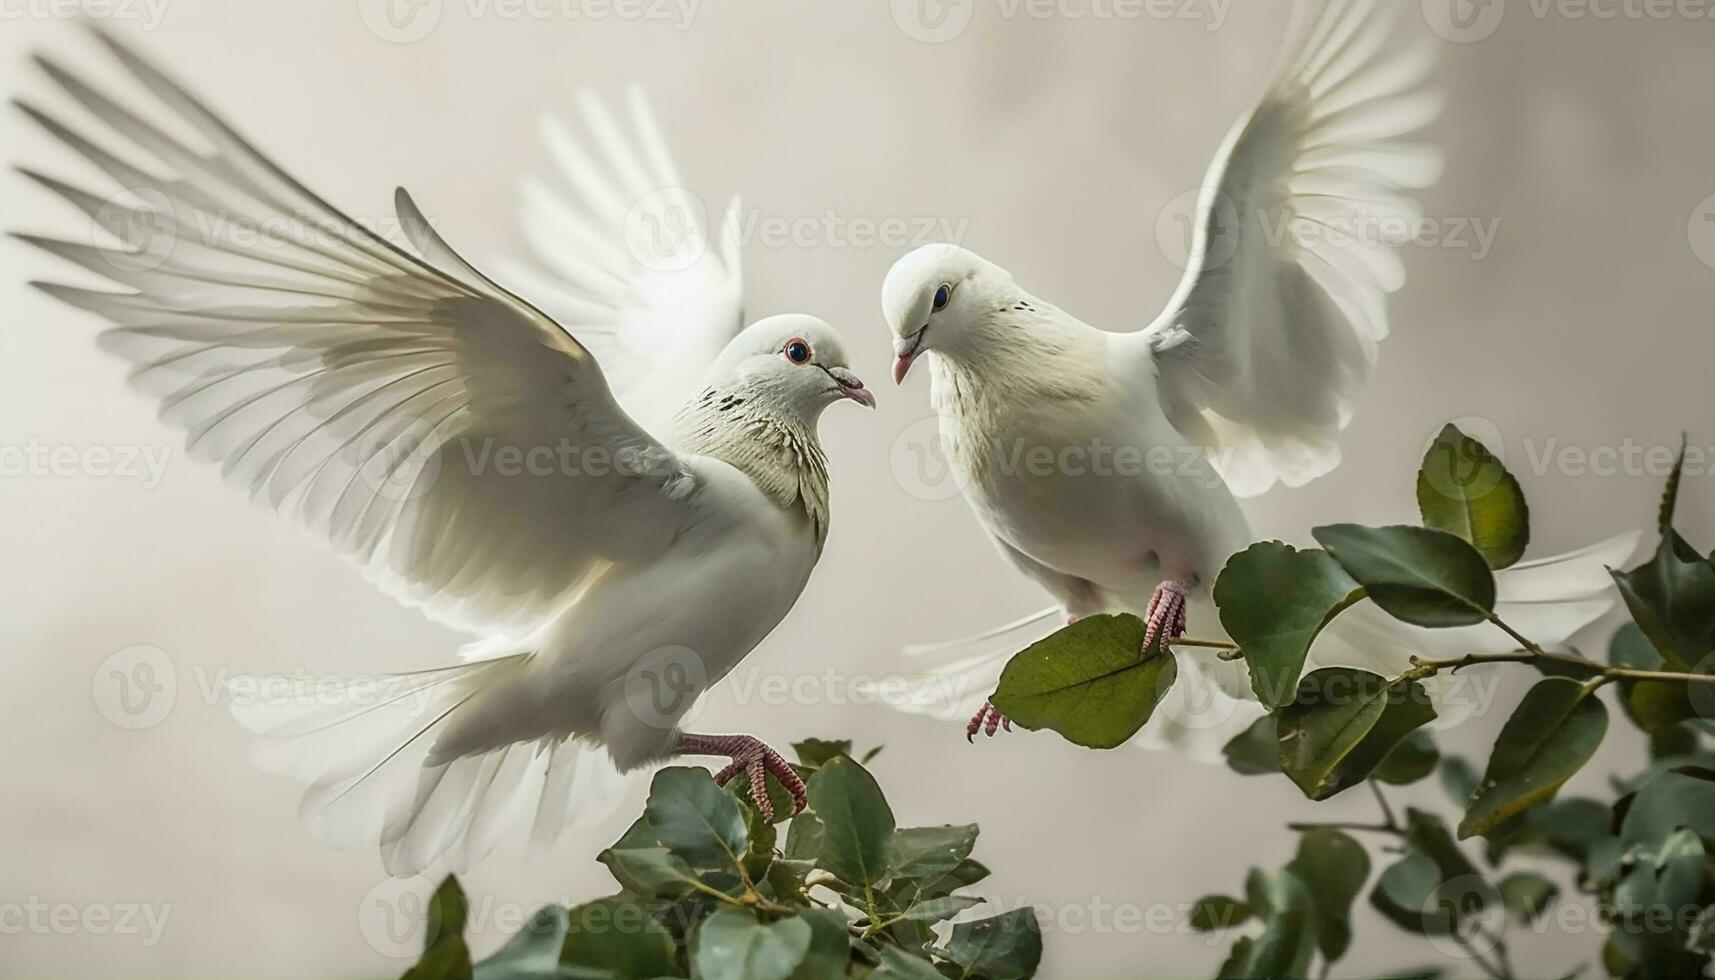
x,y
1246,379
465,450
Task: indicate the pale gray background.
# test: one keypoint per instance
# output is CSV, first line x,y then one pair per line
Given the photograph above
x,y
1058,141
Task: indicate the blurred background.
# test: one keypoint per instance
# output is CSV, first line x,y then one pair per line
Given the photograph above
x,y
1559,301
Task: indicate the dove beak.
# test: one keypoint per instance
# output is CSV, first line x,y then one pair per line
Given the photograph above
x,y
851,386
906,354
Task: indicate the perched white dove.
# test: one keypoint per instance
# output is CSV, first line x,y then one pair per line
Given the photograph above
x,y
464,449
1246,379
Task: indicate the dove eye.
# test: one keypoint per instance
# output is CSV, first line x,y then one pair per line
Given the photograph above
x,y
943,296
797,351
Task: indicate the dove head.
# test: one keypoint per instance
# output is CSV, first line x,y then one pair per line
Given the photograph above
x,y
940,298
792,366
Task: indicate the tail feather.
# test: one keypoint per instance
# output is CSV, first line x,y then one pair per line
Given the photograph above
x,y
1548,599
365,747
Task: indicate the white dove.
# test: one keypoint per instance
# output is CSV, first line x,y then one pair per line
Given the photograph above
x,y
464,449
1105,465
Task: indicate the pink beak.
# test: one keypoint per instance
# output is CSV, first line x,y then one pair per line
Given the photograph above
x,y
906,354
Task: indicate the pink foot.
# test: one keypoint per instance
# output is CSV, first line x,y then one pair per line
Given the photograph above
x,y
749,755
988,721
1166,617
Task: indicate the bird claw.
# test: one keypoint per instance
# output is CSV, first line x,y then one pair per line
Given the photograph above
x,y
987,720
755,759
1166,615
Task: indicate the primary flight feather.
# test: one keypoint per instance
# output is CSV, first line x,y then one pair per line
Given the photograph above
x,y
466,451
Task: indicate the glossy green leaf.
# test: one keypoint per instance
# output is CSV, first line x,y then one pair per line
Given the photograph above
x,y
1464,490
937,909
1256,750
534,952
1552,734
1213,913
920,852
618,936
1334,866
1672,596
1411,760
735,945
829,954
1664,804
1274,600
1001,947
857,824
695,819
813,753
1288,941
1527,895
1417,575
898,965
1343,724
654,872
1088,682
445,955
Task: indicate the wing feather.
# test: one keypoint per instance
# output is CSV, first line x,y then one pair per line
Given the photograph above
x,y
368,391
1276,325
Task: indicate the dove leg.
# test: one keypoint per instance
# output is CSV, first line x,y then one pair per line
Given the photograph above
x,y
1166,615
987,720
750,756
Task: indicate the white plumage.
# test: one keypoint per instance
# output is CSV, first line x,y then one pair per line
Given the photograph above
x,y
465,450
1245,380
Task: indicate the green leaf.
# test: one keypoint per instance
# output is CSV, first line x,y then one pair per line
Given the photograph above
x,y
857,825
1664,804
920,852
1411,760
1672,599
813,753
804,837
694,819
445,955
968,873
734,945
534,952
896,964
1464,490
1334,867
1554,732
1001,947
1088,682
1256,750
654,872
1417,575
1407,894
1458,779
1428,833
830,946
1526,896
620,937
1274,600
1343,724
1288,941
1212,912
937,909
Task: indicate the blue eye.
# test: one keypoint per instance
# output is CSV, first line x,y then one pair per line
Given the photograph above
x,y
943,296
797,351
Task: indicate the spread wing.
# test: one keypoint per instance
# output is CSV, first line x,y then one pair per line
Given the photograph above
x,y
1276,325
449,438
621,245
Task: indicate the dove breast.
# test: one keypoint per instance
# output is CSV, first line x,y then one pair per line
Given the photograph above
x,y
1085,489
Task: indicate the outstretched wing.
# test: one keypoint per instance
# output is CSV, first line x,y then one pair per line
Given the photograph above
x,y
1276,325
446,436
622,246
